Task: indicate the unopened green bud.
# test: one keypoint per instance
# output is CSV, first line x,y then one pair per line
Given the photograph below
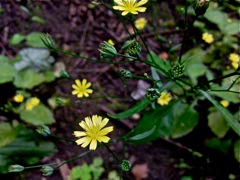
x,y
107,50
126,74
132,47
64,74
177,70
201,7
15,168
47,170
125,165
47,41
43,130
152,94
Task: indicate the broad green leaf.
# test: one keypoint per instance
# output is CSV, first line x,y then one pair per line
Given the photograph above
x,y
161,120
221,145
231,97
236,150
7,71
39,115
231,120
34,39
128,113
217,17
28,79
16,39
185,119
231,28
217,124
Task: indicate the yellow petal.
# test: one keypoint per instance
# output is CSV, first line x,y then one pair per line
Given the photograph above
x,y
77,81
93,144
84,82
141,3
103,123
105,131
79,133
74,92
104,139
80,141
87,140
74,86
88,85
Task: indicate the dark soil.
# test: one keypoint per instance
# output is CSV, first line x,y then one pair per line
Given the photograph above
x,y
80,30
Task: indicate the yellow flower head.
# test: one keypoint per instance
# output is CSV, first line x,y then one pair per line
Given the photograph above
x,y
93,131
18,98
235,65
140,23
130,6
234,57
111,42
29,106
81,88
224,103
164,98
208,38
34,101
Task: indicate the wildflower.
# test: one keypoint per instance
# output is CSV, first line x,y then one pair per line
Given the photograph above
x,y
201,7
93,132
18,98
235,60
224,103
177,70
130,6
164,99
140,23
152,94
208,38
81,88
32,103
111,42
28,106
132,47
107,50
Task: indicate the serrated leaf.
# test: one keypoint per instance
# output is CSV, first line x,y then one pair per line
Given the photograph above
x,y
7,71
236,150
34,39
217,124
16,39
185,119
231,120
137,108
39,115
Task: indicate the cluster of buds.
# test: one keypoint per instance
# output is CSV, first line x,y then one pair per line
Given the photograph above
x,y
107,50
152,94
132,47
125,165
201,7
126,74
177,70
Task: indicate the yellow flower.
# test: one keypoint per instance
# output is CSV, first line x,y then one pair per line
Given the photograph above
x,y
140,23
234,57
18,98
93,132
164,99
224,103
235,65
130,6
111,42
81,88
34,101
29,106
208,38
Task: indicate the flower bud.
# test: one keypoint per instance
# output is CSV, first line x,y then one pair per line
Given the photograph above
x,y
15,168
107,50
47,170
47,41
132,47
152,94
177,70
43,130
125,165
126,74
201,7
64,74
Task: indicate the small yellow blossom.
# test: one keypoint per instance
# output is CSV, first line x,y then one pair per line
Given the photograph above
x,y
29,106
81,88
140,23
130,6
224,103
164,98
235,65
234,57
18,98
110,41
34,101
208,38
93,132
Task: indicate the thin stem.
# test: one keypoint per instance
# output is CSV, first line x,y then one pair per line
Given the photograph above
x,y
38,166
111,152
65,139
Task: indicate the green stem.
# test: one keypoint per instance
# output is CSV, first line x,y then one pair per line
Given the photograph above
x,y
38,166
111,152
65,139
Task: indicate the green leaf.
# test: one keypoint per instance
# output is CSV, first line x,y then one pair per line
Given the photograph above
x,y
222,146
16,39
142,135
231,28
97,162
156,77
231,120
8,133
137,108
28,79
38,19
236,150
34,39
231,97
217,17
112,175
185,119
39,115
7,71
217,124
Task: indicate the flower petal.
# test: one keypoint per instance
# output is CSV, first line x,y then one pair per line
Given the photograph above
x,y
103,123
84,82
79,133
87,140
104,139
80,141
105,131
93,144
77,81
